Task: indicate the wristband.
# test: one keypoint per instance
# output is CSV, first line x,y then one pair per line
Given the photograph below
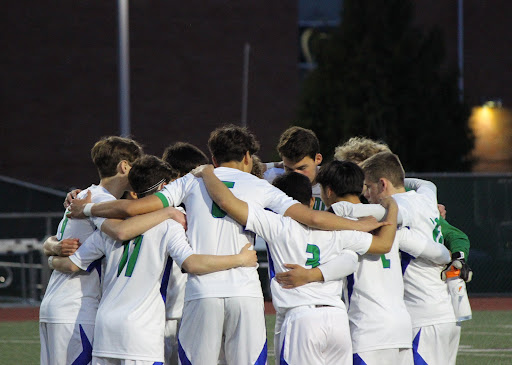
x,y
87,209
50,262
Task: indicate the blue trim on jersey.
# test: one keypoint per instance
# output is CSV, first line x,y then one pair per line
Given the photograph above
x,y
85,356
357,360
262,359
271,269
165,278
95,265
282,361
182,355
158,363
405,260
418,360
350,287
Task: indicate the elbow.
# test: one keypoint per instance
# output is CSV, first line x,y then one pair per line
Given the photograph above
x,y
121,235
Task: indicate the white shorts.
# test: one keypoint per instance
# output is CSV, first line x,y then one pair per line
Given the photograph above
x,y
398,356
66,343
237,322
280,316
437,344
316,335
171,341
112,361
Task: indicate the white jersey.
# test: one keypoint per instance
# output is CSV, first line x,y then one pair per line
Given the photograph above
x,y
292,242
211,231
131,316
426,295
74,297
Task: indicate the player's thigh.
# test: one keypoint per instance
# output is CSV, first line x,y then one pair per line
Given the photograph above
x,y
245,331
316,336
201,329
67,343
395,356
436,344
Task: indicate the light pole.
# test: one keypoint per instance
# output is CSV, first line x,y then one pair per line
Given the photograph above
x,y
124,69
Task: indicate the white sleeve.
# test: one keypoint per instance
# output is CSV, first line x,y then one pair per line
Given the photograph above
x,y
346,209
272,173
276,200
339,267
356,241
423,187
267,225
91,250
177,244
173,194
418,246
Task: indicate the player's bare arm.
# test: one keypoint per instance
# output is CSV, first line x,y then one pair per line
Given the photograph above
x,y
205,264
53,247
220,194
62,264
115,209
123,230
383,238
336,269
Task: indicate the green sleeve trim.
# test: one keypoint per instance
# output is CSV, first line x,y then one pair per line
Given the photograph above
x,y
164,200
455,240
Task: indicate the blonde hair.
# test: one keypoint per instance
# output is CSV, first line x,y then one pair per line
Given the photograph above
x,y
358,149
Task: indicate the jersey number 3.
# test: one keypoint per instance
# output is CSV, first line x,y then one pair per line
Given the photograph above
x,y
216,211
315,251
131,259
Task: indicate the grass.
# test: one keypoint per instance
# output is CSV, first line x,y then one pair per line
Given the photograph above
x,y
485,340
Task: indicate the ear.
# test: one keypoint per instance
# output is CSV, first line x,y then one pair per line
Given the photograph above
x,y
311,202
123,167
214,161
318,159
383,185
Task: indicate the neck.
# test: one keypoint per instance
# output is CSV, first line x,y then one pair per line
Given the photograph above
x,y
233,165
115,185
393,190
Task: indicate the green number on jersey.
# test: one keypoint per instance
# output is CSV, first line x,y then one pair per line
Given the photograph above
x,y
386,263
216,211
131,259
315,260
437,235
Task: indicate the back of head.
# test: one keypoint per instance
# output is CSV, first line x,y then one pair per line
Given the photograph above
x,y
109,151
257,167
295,185
184,157
384,165
147,173
358,149
342,177
231,142
296,143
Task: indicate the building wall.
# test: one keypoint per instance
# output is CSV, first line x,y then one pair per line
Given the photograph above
x,y
60,82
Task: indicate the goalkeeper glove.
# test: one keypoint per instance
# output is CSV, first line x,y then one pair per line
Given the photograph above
x,y
457,268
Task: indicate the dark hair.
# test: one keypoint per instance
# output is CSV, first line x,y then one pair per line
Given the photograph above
x,y
384,165
231,142
109,151
147,173
184,157
342,177
295,185
296,143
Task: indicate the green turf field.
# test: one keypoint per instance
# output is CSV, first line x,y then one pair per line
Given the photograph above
x,y
486,340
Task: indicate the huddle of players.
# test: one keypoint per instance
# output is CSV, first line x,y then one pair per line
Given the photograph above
x,y
224,310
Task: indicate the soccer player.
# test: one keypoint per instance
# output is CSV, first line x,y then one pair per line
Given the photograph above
x,y
315,329
68,308
435,332
182,157
231,302
299,149
130,319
